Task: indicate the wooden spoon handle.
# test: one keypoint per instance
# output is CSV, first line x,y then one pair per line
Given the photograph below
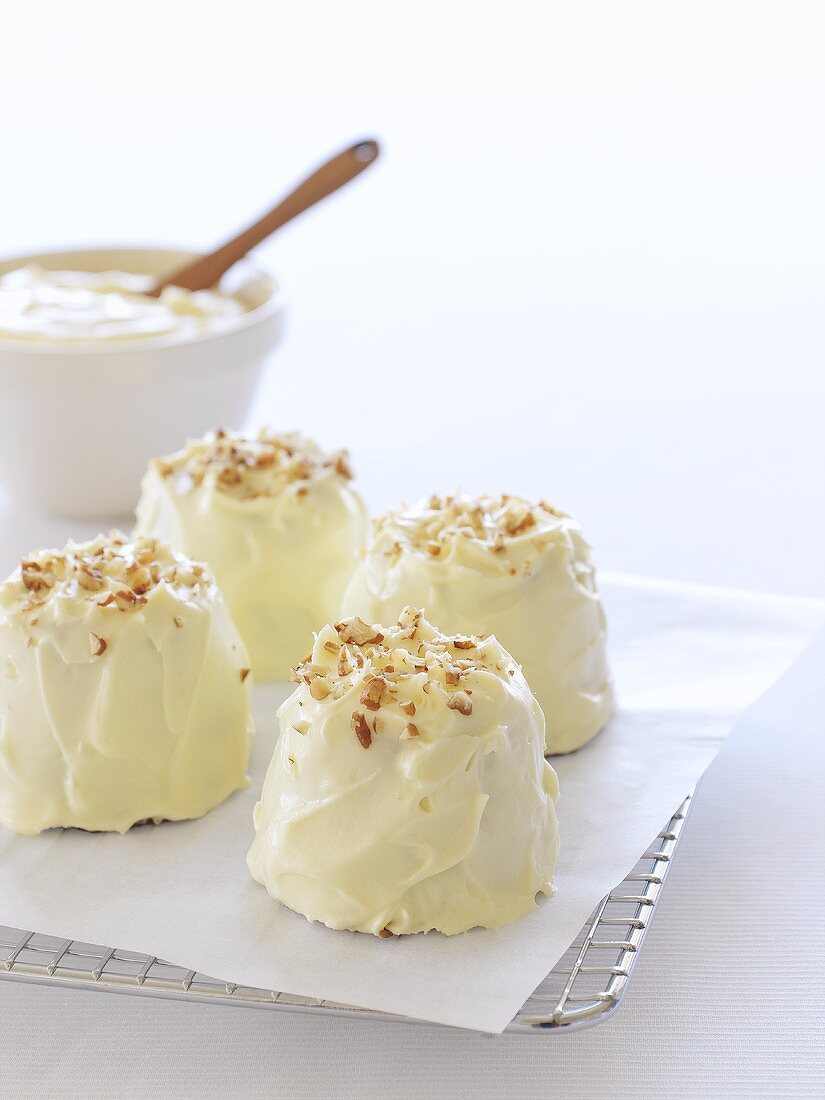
x,y
342,168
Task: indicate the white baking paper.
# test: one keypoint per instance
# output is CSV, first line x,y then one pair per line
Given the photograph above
x,y
687,661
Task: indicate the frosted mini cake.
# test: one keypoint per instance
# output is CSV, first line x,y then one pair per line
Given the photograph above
x,y
408,790
278,522
124,689
503,566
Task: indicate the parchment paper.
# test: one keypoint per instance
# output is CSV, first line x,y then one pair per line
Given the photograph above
x,y
687,661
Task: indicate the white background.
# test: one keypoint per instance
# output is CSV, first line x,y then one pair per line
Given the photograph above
x,y
590,267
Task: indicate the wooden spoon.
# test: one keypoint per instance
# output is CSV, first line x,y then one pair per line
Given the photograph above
x,y
207,270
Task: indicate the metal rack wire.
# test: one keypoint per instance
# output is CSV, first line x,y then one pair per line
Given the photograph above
x,y
583,988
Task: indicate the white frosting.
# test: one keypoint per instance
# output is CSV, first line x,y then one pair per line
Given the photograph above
x,y
277,521
124,689
411,797
503,567
90,307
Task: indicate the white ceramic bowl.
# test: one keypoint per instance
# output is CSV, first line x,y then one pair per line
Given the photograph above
x,y
79,423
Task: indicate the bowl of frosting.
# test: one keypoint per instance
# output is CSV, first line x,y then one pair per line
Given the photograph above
x,y
96,376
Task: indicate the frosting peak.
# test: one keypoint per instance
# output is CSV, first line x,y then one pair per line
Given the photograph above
x,y
435,523
108,571
395,664
252,466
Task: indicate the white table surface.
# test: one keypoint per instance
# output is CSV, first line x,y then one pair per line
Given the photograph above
x,y
588,268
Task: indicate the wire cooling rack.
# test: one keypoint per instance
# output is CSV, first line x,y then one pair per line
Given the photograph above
x,y
584,987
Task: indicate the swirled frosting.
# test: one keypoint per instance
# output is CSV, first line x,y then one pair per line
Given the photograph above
x,y
37,305
124,689
408,790
278,522
502,566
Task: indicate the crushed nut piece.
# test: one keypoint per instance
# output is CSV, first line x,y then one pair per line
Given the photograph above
x,y
373,693
362,730
32,577
344,662
97,644
125,598
319,688
461,702
91,580
357,632
140,580
408,620
244,673
342,466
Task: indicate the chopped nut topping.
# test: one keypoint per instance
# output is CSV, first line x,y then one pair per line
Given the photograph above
x,y
387,672
110,568
362,730
344,662
178,621
251,466
409,619
461,702
32,576
373,693
89,579
319,688
357,632
97,644
141,580
433,524
126,598
452,675
342,466
244,673
385,934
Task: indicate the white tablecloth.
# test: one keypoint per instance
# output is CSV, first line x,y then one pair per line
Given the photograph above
x,y
725,1000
